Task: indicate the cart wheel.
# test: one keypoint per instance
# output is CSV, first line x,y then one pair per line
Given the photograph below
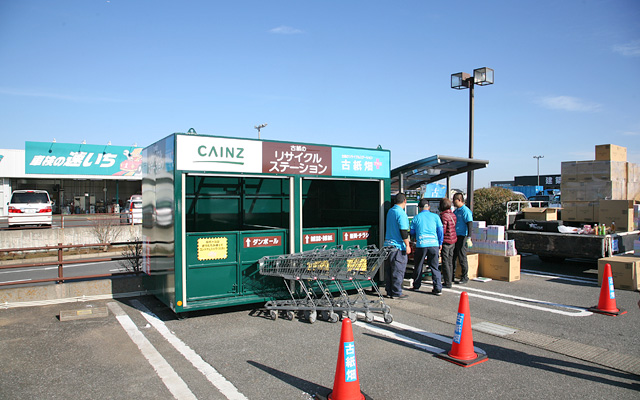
x,y
290,314
353,316
273,314
333,318
388,318
386,308
312,317
368,316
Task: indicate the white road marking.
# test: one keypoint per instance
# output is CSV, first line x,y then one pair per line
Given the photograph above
x,y
416,343
551,275
220,382
581,312
20,280
169,377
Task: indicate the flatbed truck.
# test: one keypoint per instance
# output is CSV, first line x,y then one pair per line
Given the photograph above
x,y
556,246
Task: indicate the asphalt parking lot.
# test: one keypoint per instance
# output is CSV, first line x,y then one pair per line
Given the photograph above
x,y
540,340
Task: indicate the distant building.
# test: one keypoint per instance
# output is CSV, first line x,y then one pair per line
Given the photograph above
x,y
80,178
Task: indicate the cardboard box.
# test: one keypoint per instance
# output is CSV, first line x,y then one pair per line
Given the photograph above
x,y
568,172
479,235
618,211
569,210
624,271
495,232
609,170
611,152
473,260
573,191
502,268
586,211
540,214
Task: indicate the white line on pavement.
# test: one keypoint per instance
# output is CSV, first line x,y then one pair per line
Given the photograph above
x,y
20,280
385,332
581,312
169,377
220,382
551,275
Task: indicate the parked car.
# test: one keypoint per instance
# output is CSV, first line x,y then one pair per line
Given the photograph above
x,y
29,207
545,200
132,213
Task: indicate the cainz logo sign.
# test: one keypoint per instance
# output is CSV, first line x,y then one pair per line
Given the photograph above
x,y
222,154
208,153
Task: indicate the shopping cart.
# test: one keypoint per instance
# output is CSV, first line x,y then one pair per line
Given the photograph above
x,y
320,273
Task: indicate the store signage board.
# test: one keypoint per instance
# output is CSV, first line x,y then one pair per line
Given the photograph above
x,y
216,154
295,159
361,163
82,159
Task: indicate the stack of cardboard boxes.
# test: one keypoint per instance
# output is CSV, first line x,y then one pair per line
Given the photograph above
x,y
601,191
605,191
491,255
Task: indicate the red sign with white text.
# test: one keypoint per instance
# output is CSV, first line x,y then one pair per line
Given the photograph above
x,y
262,241
359,235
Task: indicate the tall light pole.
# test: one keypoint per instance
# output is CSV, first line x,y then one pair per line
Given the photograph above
x,y
462,80
538,161
258,128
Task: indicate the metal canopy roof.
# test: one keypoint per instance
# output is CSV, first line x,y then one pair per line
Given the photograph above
x,y
432,169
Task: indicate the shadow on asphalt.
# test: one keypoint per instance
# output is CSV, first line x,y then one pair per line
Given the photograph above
x,y
302,384
584,370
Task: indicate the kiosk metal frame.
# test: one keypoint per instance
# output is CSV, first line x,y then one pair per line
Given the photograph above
x,y
213,206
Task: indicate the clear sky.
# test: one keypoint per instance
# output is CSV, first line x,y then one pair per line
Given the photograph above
x,y
350,73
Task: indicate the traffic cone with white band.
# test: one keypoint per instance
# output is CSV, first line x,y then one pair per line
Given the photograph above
x,y
607,302
462,352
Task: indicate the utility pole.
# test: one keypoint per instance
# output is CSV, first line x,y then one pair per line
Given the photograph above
x,y
258,128
538,161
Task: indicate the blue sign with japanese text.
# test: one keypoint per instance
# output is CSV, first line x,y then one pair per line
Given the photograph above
x,y
457,334
360,163
350,366
82,159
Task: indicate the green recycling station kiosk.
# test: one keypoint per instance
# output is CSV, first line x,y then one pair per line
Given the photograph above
x,y
213,206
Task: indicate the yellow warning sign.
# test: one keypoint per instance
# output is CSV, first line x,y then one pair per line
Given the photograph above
x,y
212,248
318,265
357,264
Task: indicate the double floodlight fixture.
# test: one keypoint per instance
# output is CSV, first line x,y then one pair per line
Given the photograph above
x,y
481,76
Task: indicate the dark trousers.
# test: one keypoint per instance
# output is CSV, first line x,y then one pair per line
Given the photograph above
x,y
460,254
431,254
447,263
394,268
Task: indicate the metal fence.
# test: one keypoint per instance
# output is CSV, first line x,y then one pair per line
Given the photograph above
x,y
130,252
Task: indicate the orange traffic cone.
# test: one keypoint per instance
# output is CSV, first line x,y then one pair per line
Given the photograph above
x,y
461,352
607,303
346,384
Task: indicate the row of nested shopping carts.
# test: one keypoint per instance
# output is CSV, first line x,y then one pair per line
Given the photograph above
x,y
323,276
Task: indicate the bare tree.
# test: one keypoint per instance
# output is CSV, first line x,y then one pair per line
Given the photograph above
x,y
105,229
133,253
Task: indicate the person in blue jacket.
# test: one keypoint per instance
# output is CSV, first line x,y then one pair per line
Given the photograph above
x,y
426,227
396,236
464,224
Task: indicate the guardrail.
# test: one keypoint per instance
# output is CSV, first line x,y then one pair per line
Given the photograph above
x,y
132,253
76,220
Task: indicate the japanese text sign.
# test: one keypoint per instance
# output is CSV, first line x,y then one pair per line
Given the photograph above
x,y
82,159
262,241
360,163
295,159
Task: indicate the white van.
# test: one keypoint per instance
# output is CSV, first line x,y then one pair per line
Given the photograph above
x,y
132,214
29,207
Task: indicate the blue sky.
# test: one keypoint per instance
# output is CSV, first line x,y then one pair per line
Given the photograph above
x,y
349,73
